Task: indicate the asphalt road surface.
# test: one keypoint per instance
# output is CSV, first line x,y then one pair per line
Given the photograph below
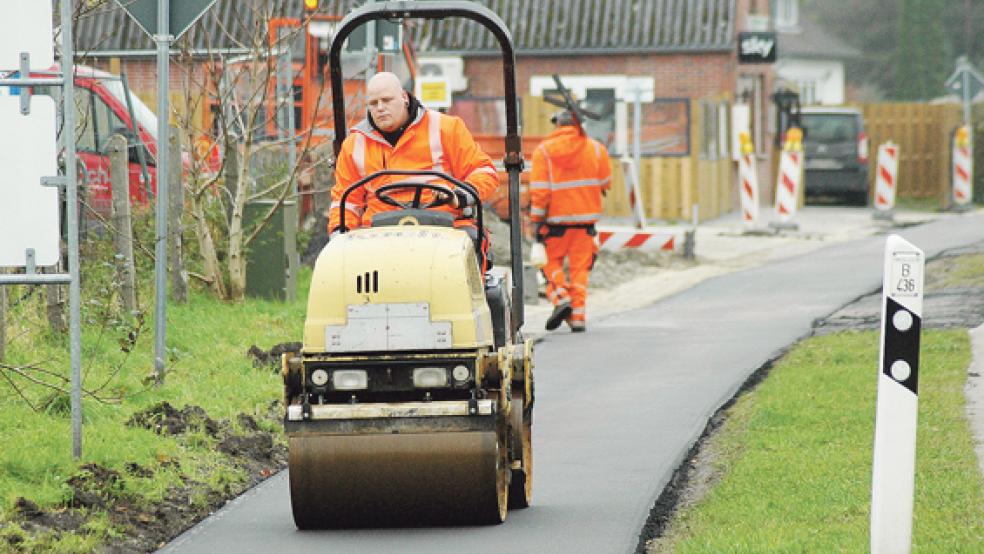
x,y
617,409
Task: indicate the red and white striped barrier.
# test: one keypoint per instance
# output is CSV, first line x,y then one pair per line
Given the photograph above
x,y
748,184
669,239
788,184
963,168
632,191
886,177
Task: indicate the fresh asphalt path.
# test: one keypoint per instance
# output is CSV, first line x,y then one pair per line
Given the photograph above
x,y
617,409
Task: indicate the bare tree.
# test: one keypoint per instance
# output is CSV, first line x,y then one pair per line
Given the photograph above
x,y
239,92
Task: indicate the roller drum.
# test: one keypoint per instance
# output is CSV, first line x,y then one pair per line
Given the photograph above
x,y
373,480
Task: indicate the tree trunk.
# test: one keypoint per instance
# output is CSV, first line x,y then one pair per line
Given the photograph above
x,y
206,245
3,320
237,238
122,226
179,277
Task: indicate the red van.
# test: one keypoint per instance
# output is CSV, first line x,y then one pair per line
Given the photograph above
x,y
105,106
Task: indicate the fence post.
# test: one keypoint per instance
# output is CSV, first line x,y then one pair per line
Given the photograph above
x,y
179,277
123,234
55,306
3,320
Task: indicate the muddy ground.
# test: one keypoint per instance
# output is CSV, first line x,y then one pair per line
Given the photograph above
x,y
145,528
950,300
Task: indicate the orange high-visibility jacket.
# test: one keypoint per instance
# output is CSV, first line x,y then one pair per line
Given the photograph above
x,y
570,170
432,141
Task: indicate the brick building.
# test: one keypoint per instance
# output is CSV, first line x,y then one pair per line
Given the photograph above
x,y
680,55
602,49
680,50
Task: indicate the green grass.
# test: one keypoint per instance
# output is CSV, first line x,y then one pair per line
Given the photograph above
x,y
795,456
964,271
207,344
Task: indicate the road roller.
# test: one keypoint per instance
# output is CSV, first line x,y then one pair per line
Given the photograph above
x,y
411,400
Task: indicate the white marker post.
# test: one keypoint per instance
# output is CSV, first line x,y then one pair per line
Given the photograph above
x,y
893,467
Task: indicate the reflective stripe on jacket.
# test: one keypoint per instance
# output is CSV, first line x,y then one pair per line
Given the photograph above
x,y
432,141
570,170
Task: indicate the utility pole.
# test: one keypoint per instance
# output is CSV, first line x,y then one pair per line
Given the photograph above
x,y
163,40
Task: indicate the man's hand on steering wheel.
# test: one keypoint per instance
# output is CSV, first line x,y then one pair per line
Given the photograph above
x,y
462,199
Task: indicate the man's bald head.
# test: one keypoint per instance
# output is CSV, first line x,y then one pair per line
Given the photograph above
x,y
388,102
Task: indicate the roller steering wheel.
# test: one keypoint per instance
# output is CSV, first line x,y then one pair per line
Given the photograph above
x,y
443,195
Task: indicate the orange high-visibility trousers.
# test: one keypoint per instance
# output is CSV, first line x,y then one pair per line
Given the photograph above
x,y
579,248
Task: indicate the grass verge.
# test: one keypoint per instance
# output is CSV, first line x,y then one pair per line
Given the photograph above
x,y
130,474
794,456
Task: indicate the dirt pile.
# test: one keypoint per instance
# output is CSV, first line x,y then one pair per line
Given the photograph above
x,y
145,527
271,357
165,419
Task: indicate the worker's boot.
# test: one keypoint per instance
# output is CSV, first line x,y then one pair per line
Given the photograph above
x,y
561,312
578,326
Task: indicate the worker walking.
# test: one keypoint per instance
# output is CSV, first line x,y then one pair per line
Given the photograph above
x,y
570,173
399,133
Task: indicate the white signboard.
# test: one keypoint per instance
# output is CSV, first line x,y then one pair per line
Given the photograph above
x,y
28,30
28,210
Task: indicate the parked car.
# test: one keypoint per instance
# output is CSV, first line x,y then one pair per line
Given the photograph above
x,y
106,106
836,151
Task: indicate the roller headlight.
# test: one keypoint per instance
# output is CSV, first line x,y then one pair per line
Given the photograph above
x,y
460,373
430,377
319,377
349,379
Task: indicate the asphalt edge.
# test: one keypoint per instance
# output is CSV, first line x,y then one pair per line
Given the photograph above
x,y
667,503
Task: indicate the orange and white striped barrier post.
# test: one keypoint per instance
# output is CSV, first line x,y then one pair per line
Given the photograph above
x,y
631,174
748,188
789,180
963,169
886,180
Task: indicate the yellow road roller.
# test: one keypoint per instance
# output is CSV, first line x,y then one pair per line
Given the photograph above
x,y
411,400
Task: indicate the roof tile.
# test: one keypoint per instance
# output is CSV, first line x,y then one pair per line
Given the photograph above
x,y
545,26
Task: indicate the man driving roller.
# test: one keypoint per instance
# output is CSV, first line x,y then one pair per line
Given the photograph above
x,y
399,133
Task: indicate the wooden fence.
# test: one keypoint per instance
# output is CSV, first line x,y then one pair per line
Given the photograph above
x,y
923,133
670,186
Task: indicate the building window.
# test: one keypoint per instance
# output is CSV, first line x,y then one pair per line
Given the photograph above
x,y
787,14
601,102
709,130
808,92
723,130
751,94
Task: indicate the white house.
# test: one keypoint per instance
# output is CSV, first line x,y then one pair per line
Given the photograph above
x,y
809,57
